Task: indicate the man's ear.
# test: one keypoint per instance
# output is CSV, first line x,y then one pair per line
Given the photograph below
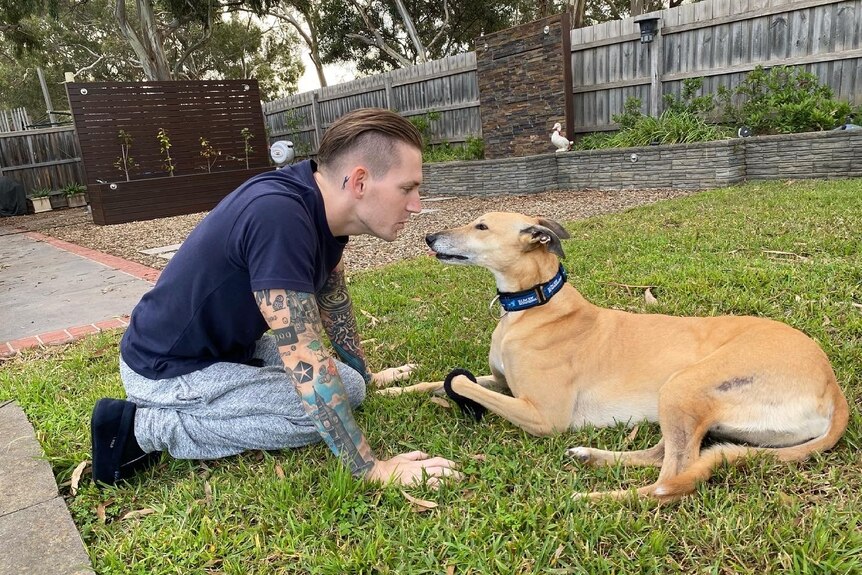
x,y
537,235
357,180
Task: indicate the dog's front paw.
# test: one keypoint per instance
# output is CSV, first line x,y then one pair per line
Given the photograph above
x,y
582,454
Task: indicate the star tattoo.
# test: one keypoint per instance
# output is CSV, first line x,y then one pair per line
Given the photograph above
x,y
303,372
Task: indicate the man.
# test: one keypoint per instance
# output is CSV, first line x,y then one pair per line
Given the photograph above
x,y
204,380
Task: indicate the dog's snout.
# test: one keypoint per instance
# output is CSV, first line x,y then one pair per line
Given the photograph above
x,y
430,239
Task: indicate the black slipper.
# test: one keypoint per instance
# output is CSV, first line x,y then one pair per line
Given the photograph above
x,y
116,453
468,406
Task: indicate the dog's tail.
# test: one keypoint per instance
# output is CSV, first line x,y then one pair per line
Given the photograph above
x,y
710,458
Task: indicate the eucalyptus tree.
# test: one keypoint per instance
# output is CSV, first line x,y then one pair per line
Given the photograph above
x,y
163,35
83,37
378,35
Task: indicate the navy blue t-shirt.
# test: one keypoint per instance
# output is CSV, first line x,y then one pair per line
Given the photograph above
x,y
270,233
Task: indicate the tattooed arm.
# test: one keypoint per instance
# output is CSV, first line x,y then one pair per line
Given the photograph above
x,y
339,321
297,327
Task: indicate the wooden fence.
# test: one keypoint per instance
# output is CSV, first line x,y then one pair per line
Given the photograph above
x,y
45,158
447,86
14,120
719,40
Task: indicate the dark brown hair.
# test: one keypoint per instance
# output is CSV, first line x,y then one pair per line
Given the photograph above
x,y
373,133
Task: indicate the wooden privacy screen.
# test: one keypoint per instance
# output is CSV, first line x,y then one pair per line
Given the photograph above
x,y
217,110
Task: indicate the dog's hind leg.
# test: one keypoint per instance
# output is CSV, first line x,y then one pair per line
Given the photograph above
x,y
684,419
651,457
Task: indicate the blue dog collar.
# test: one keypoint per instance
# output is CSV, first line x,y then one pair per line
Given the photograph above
x,y
535,296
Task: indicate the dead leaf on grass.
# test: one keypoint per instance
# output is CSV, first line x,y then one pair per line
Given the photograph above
x,y
440,401
557,554
450,570
101,510
76,476
649,298
632,434
419,505
138,513
479,457
373,320
781,255
279,472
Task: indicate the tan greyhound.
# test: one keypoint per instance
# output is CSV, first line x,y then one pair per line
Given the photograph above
x,y
753,384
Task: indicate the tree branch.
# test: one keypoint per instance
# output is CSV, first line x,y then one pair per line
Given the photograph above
x,y
410,28
208,31
444,28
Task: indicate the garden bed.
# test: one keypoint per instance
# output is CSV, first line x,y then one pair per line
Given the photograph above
x,y
121,202
831,154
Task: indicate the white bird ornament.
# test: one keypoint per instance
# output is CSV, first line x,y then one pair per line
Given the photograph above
x,y
562,143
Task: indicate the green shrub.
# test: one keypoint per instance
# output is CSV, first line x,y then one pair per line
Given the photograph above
x,y
631,114
41,192
687,101
472,149
783,100
672,127
423,124
73,188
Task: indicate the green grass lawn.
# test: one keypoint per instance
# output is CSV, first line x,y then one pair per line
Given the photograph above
x,y
789,251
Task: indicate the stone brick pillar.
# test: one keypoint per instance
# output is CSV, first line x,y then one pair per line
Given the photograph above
x,y
525,84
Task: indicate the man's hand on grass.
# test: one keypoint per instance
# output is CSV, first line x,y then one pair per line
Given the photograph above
x,y
391,375
412,468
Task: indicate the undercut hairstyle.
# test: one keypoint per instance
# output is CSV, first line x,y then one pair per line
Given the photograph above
x,y
372,134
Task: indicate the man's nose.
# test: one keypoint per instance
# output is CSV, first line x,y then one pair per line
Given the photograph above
x,y
414,205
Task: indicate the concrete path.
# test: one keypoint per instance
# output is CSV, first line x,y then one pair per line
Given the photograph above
x,y
51,292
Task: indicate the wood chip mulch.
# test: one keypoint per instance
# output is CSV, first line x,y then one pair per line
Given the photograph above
x,y
363,252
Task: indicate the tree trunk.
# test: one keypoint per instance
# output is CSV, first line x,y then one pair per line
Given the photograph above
x,y
411,31
148,45
579,13
310,39
637,7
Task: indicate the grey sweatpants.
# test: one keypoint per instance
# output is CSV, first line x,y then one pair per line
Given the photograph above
x,y
226,408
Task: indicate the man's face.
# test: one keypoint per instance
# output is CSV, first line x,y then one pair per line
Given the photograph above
x,y
391,199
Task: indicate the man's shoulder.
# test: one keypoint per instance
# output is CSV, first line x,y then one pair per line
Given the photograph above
x,y
295,185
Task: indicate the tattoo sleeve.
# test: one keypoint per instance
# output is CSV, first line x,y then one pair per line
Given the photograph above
x,y
339,321
296,325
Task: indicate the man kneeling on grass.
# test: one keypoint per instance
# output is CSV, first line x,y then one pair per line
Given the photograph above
x,y
204,380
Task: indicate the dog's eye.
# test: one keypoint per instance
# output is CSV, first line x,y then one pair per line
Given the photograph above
x,y
481,227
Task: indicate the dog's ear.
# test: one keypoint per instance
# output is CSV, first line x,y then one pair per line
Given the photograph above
x,y
545,236
555,227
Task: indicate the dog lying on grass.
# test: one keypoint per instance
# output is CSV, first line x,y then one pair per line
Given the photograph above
x,y
752,384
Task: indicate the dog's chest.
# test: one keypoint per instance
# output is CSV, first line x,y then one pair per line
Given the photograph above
x,y
495,356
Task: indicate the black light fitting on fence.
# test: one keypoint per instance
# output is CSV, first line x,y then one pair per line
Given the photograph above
x,y
649,28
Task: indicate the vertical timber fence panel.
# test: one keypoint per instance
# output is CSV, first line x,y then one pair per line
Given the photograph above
x,y
718,40
217,111
44,158
447,86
